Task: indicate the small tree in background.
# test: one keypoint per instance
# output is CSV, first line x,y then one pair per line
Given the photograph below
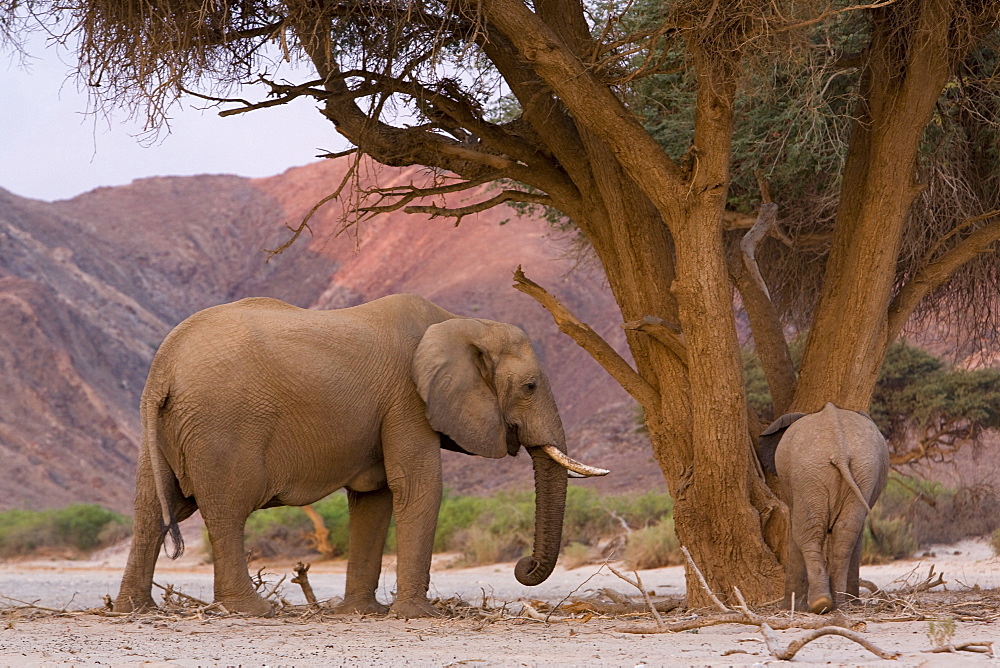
x,y
928,411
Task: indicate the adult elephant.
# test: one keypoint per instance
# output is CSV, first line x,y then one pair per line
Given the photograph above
x,y
829,467
259,403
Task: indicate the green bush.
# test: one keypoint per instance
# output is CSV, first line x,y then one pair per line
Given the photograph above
x,y
71,531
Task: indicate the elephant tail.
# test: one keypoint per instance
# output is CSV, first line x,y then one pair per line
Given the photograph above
x,y
150,413
846,472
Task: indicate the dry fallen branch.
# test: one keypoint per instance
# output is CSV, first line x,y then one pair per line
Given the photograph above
x,y
637,583
701,578
773,643
302,579
978,647
169,591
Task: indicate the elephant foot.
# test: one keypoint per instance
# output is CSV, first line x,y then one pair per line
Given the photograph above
x,y
361,607
255,606
820,605
129,603
411,608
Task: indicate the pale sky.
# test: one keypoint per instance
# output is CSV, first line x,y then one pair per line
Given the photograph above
x,y
50,148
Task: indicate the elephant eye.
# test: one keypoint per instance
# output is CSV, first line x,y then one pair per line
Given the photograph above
x,y
530,388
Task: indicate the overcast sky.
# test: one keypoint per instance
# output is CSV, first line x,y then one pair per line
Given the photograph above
x,y
50,148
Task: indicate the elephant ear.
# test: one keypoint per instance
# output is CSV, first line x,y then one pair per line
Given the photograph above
x,y
767,444
453,370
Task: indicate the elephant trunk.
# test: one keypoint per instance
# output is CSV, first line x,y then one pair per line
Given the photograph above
x,y
550,504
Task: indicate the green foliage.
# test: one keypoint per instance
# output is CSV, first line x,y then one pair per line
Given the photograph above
x,y
757,389
755,384
575,555
75,529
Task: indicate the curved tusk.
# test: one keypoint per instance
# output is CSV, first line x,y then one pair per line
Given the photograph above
x,y
571,464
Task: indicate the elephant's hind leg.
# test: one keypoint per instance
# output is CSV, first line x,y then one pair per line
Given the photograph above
x,y
135,592
370,513
809,532
845,554
234,589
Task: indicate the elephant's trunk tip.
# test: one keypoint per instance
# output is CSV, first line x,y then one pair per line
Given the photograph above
x,y
531,571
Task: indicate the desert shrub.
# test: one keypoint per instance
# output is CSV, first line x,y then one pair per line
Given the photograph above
x,y
576,555
936,513
501,529
286,531
482,528
654,546
891,538
73,530
591,517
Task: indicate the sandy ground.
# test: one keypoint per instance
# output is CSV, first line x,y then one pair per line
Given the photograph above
x,y
502,635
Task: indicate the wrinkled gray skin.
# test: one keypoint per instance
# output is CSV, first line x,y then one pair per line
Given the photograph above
x,y
829,467
259,403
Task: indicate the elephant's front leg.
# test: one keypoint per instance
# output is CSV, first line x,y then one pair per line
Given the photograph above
x,y
370,513
413,471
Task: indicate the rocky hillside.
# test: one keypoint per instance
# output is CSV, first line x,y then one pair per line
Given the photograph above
x,y
90,286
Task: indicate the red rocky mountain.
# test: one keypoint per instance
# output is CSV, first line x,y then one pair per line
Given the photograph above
x,y
89,287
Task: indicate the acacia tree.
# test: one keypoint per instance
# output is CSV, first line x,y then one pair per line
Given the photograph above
x,y
573,140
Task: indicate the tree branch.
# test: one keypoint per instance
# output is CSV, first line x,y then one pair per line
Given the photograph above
x,y
938,272
662,332
765,323
590,341
591,102
461,212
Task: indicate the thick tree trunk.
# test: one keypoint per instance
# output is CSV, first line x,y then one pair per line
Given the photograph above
x,y
850,334
699,430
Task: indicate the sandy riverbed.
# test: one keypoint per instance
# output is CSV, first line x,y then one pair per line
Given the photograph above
x,y
497,636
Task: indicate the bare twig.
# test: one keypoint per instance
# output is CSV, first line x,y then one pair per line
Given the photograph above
x,y
169,589
460,212
304,225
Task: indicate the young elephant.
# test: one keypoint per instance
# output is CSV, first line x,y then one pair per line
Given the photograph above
x,y
829,467
258,404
